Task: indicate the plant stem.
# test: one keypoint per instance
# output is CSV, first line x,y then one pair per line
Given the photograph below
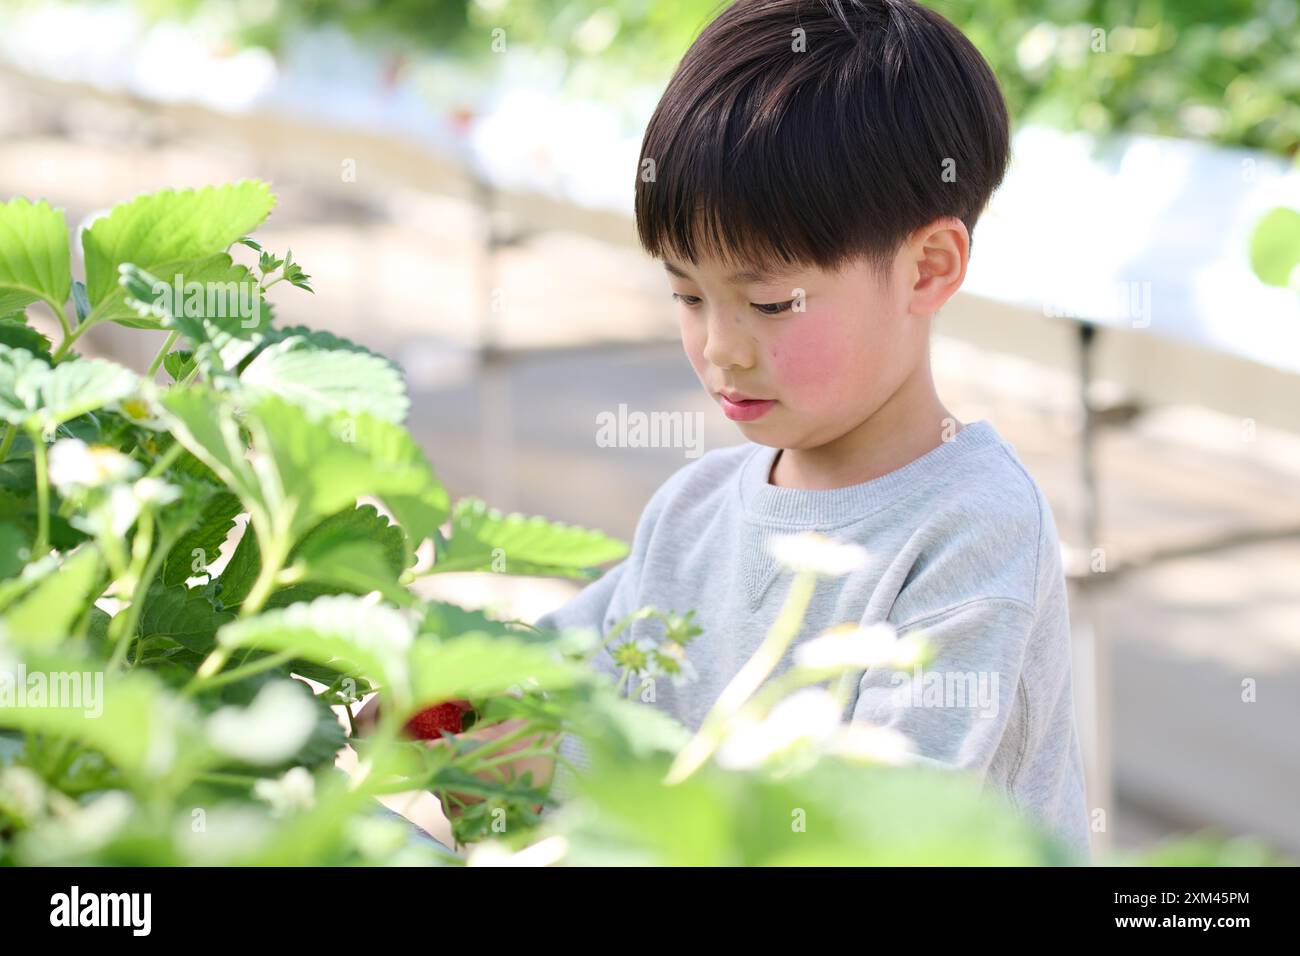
x,y
166,460
57,309
162,352
42,544
239,673
747,680
66,344
273,555
132,614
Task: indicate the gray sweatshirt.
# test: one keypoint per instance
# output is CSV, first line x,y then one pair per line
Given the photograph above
x,y
962,546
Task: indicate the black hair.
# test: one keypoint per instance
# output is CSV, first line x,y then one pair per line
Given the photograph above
x,y
812,132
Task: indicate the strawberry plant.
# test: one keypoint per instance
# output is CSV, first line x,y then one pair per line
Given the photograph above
x,y
174,553
207,563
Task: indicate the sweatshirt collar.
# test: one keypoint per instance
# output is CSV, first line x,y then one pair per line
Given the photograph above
x,y
770,504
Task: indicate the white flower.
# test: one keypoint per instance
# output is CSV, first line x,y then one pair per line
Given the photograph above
x,y
869,743
811,551
849,646
296,790
808,716
73,464
271,729
155,491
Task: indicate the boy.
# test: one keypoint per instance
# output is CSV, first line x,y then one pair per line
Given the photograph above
x,y
810,179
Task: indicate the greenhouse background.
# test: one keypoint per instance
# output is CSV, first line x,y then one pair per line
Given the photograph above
x,y
457,174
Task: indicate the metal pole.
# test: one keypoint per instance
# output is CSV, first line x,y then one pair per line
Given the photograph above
x,y
1092,655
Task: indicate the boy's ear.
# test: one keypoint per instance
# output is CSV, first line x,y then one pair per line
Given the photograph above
x,y
938,253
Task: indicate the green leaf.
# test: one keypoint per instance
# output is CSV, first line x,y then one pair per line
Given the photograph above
x,y
33,255
171,227
357,550
446,620
130,718
183,615
45,615
335,380
305,467
1275,246
483,539
14,543
202,542
179,363
477,665
36,396
17,334
215,303
80,300
74,388
340,631
241,571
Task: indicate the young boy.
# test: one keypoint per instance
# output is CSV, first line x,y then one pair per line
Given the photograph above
x,y
810,180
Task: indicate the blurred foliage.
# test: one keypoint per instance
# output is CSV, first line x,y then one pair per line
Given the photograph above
x,y
1226,71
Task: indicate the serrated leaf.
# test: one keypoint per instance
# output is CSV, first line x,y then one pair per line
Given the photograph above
x,y
182,614
210,530
34,260
305,467
170,227
483,539
445,620
356,550
241,571
340,631
17,334
36,396
329,380
74,388
222,314
478,665
179,364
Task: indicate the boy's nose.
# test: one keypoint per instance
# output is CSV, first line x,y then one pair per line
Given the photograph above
x,y
728,344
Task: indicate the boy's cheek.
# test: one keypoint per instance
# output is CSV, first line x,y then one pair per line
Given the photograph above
x,y
816,364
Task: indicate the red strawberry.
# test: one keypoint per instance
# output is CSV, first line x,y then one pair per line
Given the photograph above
x,y
444,718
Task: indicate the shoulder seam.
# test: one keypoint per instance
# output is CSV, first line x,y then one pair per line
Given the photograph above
x,y
1038,504
962,605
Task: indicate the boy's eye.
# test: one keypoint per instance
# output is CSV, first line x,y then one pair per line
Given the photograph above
x,y
773,308
690,301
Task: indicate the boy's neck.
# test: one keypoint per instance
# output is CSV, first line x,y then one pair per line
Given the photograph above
x,y
911,422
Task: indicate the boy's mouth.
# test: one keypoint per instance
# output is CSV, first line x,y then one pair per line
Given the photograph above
x,y
741,409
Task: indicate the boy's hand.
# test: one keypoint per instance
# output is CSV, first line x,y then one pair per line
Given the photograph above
x,y
367,718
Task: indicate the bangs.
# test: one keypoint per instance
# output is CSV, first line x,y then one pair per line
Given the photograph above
x,y
795,134
754,183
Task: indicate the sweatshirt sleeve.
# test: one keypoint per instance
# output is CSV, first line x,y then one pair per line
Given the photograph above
x,y
992,702
960,711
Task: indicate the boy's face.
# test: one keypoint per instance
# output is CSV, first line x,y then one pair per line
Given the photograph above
x,y
826,349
